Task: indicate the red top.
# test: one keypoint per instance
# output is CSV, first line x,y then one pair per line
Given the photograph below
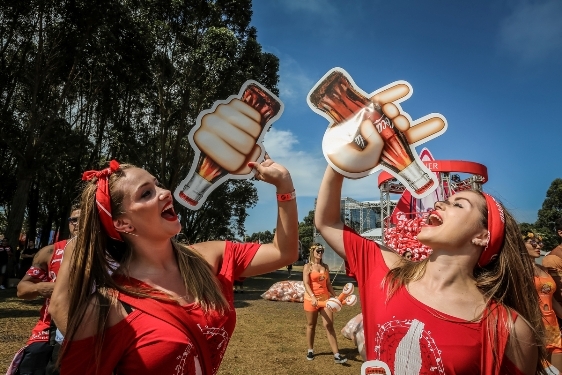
x,y
40,333
404,333
143,344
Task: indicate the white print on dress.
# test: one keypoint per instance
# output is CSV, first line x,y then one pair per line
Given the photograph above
x,y
218,338
409,353
180,367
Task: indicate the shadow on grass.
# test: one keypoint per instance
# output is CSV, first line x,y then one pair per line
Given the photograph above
x,y
14,307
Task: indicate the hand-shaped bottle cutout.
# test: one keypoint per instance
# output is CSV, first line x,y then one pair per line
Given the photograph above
x,y
225,139
367,134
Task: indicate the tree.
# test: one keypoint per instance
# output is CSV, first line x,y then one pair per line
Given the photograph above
x,y
262,237
80,85
551,210
306,232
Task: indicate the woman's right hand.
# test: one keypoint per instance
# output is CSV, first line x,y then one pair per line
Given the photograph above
x,y
313,301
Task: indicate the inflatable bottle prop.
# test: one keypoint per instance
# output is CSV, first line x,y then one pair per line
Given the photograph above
x,y
208,171
337,98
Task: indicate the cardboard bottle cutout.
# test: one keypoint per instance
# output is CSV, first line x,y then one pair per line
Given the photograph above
x,y
225,138
370,131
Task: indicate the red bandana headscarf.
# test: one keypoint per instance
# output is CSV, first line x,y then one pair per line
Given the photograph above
x,y
496,231
103,200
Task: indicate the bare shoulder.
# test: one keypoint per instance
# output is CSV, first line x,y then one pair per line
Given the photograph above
x,y
522,347
391,257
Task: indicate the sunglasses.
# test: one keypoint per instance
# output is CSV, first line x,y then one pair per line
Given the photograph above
x,y
533,243
73,220
319,251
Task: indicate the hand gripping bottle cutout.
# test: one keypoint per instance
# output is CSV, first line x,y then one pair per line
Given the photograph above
x,y
225,139
362,137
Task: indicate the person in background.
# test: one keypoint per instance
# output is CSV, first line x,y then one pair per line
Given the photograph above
x,y
39,354
316,279
238,286
26,258
550,308
553,262
5,254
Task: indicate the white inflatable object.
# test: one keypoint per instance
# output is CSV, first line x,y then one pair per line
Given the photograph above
x,y
350,300
333,304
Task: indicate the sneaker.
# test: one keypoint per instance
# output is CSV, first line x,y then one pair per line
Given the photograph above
x,y
340,359
310,356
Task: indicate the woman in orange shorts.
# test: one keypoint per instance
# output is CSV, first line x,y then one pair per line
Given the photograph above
x,y
546,287
316,278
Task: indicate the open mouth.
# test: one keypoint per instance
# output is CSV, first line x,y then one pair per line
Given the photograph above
x,y
434,219
168,212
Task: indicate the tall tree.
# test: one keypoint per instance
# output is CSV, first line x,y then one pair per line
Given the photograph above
x,y
306,232
125,79
551,211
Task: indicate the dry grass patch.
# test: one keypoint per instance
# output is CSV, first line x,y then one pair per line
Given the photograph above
x,y
269,336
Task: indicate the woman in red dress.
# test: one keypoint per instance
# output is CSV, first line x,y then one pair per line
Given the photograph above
x,y
466,309
131,300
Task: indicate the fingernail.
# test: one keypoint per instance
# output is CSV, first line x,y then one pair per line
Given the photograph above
x,y
251,165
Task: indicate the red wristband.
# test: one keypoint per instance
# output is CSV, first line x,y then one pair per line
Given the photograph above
x,y
286,197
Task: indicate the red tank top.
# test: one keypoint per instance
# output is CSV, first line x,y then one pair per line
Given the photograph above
x,y
404,333
40,333
143,344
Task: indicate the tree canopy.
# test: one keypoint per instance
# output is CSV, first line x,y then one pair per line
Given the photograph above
x,y
81,84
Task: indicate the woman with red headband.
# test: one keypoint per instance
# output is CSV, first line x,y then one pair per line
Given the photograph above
x,y
469,308
166,308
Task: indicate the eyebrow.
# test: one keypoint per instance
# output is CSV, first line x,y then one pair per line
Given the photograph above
x,y
462,198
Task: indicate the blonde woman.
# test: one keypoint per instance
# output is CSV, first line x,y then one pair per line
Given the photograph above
x,y
469,308
167,308
316,279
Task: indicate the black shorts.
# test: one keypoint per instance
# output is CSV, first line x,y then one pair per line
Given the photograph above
x,y
38,358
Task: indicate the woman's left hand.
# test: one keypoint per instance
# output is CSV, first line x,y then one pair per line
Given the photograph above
x,y
273,173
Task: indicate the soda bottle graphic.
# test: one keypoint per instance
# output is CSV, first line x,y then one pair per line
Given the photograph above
x,y
208,171
336,97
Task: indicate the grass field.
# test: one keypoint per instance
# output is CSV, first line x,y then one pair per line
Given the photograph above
x,y
269,336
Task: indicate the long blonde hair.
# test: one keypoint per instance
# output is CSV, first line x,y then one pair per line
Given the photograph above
x,y
92,258
508,280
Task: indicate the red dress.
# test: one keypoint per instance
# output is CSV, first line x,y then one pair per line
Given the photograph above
x,y
143,344
404,333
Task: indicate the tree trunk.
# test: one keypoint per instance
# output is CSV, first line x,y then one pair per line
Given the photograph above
x,y
46,229
19,203
32,212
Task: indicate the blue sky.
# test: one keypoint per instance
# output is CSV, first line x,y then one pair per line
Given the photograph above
x,y
492,68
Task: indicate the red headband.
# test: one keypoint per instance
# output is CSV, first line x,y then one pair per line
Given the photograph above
x,y
496,231
103,200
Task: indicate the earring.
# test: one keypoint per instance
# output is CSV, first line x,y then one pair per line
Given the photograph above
x,y
479,242
131,233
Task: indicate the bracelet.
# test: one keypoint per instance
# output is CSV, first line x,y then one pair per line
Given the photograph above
x,y
286,197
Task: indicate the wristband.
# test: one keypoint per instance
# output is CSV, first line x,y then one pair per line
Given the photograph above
x,y
286,197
